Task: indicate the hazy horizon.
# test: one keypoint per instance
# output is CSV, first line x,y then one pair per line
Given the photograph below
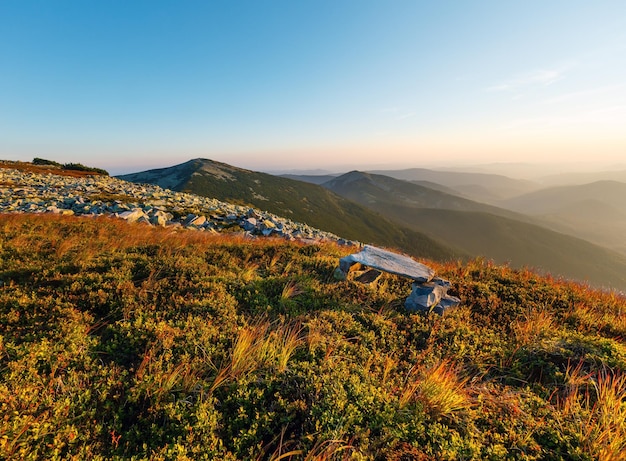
x,y
281,86
514,170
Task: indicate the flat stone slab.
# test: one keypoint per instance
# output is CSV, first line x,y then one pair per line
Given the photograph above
x,y
383,260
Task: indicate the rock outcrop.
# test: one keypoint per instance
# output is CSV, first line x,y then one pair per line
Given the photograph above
x,y
430,293
387,261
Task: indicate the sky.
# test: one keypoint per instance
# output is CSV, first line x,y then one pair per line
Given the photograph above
x,y
331,84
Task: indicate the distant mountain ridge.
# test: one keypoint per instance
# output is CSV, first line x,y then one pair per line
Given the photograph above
x,y
485,187
384,190
300,201
594,211
580,178
481,229
312,178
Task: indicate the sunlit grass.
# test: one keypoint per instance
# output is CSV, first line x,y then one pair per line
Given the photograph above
x,y
258,346
596,404
533,326
126,341
439,388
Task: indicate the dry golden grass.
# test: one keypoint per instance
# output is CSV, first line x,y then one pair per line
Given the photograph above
x,y
439,388
604,314
535,325
257,346
326,450
597,404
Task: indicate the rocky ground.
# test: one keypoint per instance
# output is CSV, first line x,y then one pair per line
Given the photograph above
x,y
28,192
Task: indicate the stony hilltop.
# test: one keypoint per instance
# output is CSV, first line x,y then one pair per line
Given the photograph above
x,y
98,195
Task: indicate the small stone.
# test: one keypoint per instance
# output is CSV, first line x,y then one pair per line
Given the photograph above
x,y
197,221
424,297
160,218
339,274
249,224
134,215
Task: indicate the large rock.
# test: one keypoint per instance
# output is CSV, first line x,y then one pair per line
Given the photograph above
x,y
383,260
161,218
136,215
431,297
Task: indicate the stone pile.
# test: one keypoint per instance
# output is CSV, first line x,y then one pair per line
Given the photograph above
x,y
25,192
429,294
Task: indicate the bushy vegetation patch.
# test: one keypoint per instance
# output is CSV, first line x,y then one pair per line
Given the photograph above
x,y
81,167
43,166
125,341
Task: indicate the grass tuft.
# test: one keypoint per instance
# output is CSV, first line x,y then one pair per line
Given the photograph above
x,y
439,388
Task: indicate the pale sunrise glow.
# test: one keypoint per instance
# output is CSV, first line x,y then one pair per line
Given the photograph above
x,y
295,85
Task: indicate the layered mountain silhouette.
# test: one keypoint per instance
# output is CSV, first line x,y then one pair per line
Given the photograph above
x,y
302,202
380,192
312,178
481,229
587,177
483,187
419,220
594,212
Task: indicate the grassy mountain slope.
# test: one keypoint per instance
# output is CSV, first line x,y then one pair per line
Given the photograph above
x,y
478,230
295,200
436,186
123,341
47,166
595,211
523,244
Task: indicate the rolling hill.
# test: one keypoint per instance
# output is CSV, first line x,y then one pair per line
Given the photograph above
x,y
579,178
594,212
483,187
303,202
481,229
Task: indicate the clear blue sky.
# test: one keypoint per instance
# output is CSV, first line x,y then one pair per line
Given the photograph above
x,y
268,85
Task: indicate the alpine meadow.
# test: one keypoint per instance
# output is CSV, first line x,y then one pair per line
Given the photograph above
x,y
313,230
